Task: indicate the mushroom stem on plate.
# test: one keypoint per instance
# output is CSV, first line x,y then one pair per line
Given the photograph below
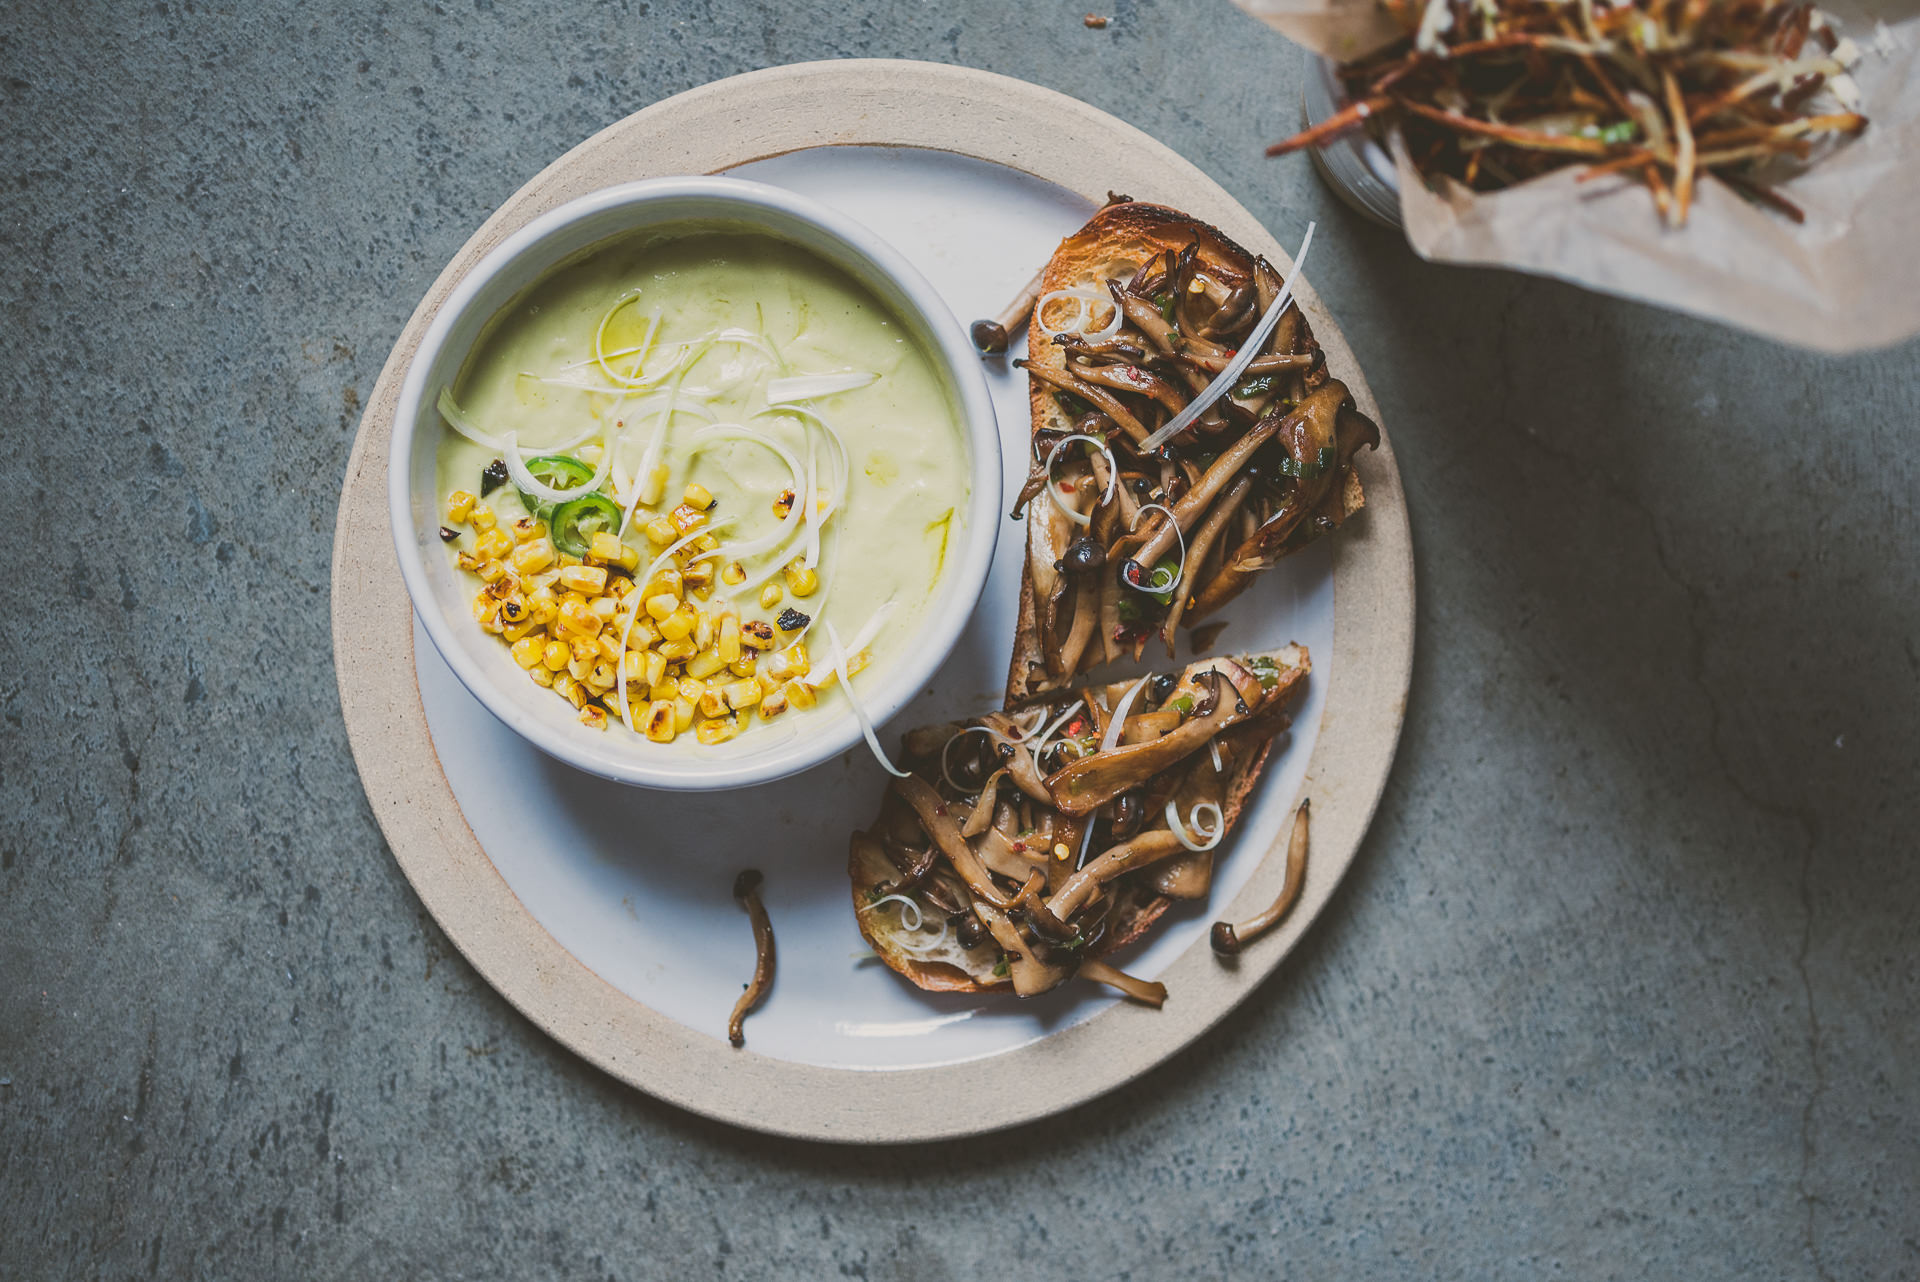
x,y
1228,939
746,889
990,336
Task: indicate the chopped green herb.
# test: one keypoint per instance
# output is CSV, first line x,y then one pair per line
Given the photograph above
x,y
875,894
1619,131
1258,385
1001,968
1129,608
1182,705
1163,580
1265,670
1327,457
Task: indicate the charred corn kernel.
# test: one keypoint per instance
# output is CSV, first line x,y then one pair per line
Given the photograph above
x,y
669,581
579,665
783,504
717,730
667,690
491,571
634,664
687,519
757,634
744,665
603,608
460,507
593,717
773,703
621,587
602,676
770,596
801,694
733,574
690,689
660,726
680,624
699,575
605,546
800,580
629,558
682,714
697,496
577,693
662,605
712,703
504,586
654,485
659,531
610,647
675,651
482,518
467,561
543,610
516,631
642,635
728,642
576,617
484,607
703,630
589,580
527,651
555,656
526,528
741,694
705,664
656,668
533,556
542,675
563,683
790,662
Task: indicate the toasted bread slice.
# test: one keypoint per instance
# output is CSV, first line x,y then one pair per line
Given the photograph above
x,y
1064,629
917,939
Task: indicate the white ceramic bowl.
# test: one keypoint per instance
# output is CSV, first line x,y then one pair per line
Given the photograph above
x,y
442,600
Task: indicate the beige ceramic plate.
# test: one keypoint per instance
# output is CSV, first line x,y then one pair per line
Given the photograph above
x,y
723,126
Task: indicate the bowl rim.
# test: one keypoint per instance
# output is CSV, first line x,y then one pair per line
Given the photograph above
x,y
939,334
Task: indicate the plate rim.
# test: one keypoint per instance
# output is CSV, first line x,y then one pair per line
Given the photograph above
x,y
722,125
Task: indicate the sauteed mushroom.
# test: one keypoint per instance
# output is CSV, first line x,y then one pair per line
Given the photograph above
x,y
1273,449
1025,891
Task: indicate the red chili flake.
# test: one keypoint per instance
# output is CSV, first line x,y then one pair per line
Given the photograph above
x,y
1066,487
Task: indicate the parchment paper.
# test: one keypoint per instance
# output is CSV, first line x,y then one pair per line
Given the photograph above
x,y
1846,280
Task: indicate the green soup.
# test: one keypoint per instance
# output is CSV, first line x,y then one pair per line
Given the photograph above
x,y
648,363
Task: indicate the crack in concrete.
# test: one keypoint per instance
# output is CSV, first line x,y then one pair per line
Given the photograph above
x,y
1800,816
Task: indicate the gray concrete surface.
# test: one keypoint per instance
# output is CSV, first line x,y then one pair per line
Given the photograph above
x,y
1622,986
